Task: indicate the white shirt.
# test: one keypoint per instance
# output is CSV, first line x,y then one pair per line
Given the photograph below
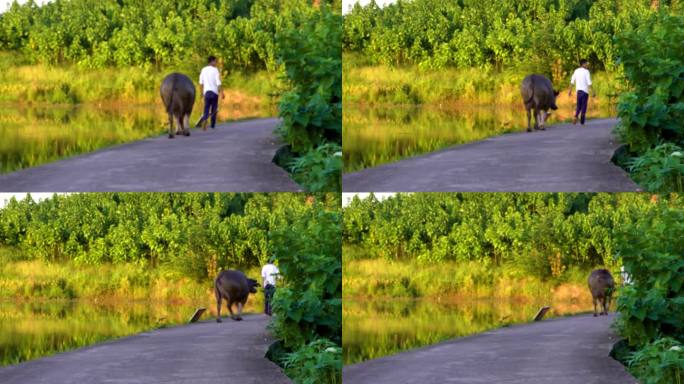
x,y
268,273
209,78
582,79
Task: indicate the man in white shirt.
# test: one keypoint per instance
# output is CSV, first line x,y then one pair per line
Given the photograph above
x,y
582,80
269,275
210,85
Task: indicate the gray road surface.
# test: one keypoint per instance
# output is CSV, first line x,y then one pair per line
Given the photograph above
x,y
234,157
206,352
564,158
571,350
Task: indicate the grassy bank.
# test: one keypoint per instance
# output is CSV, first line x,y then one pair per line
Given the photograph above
x,y
38,280
380,278
24,83
380,84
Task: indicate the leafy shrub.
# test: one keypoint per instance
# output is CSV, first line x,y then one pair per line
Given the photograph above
x,y
652,306
318,362
651,114
319,169
311,109
659,362
651,250
659,169
308,307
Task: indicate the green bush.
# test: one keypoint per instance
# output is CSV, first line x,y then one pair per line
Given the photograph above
x,y
652,306
659,169
659,362
308,307
318,362
651,114
651,249
311,108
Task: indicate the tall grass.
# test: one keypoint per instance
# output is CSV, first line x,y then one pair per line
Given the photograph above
x,y
69,84
38,280
380,84
380,278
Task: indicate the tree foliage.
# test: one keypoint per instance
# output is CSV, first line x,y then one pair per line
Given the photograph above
x,y
542,234
96,33
468,33
194,234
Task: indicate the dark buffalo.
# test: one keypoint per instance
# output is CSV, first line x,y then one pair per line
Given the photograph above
x,y
601,285
178,94
538,94
235,287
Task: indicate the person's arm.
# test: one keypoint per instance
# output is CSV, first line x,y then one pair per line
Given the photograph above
x,y
572,81
218,82
591,89
201,84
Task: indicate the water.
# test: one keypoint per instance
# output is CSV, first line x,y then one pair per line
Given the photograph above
x,y
373,329
378,135
34,135
32,330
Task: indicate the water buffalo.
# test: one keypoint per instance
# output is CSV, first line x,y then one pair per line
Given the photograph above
x,y
601,285
178,94
235,287
538,94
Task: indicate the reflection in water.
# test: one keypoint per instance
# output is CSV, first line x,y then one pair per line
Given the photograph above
x,y
33,135
378,135
373,329
32,330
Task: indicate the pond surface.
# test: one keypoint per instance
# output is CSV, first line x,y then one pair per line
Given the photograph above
x,y
37,134
32,330
373,329
382,134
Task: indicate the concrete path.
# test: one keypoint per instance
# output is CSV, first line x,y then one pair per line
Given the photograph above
x,y
234,157
206,352
571,350
564,158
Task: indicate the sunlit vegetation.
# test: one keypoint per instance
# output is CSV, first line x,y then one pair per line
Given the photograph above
x,y
162,247
113,52
533,249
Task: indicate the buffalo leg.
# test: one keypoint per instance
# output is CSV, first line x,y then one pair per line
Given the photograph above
x,y
536,118
179,125
605,305
230,308
171,126
239,316
218,305
186,124
529,117
594,300
543,120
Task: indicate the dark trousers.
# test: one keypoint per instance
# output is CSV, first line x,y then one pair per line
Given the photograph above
x,y
210,108
582,101
269,290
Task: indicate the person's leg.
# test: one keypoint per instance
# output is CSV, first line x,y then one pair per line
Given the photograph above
x,y
214,109
578,107
207,105
585,102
